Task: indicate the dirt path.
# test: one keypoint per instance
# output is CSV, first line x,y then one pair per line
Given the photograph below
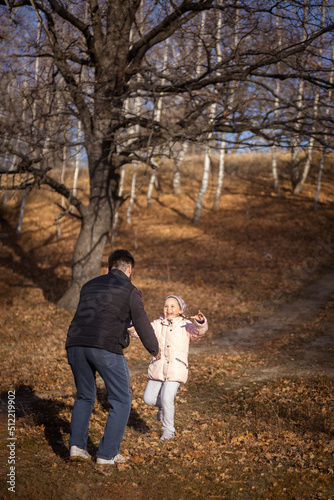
x,y
287,352
308,355
297,356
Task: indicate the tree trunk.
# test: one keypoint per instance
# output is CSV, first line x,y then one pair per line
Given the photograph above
x,y
299,186
274,169
323,153
36,76
276,106
88,250
321,168
221,166
221,169
120,194
204,186
177,188
151,185
22,208
77,160
295,162
132,195
62,179
97,219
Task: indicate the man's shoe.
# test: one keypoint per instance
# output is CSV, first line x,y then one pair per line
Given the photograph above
x,y
77,454
167,435
118,459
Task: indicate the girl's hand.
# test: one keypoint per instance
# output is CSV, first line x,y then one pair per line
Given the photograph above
x,y
199,316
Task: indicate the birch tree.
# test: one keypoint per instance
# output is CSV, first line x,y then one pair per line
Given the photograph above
x,y
301,181
295,161
62,180
157,118
303,176
276,106
24,196
324,146
222,142
181,154
211,114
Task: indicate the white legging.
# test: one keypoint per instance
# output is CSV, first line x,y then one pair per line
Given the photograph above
x,y
162,395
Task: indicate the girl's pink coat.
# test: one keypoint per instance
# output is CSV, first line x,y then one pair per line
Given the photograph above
x,y
173,341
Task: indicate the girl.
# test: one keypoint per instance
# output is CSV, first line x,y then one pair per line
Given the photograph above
x,y
170,367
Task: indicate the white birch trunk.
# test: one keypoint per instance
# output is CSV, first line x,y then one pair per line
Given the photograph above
x,y
157,118
274,169
46,145
221,170
321,168
136,111
63,169
295,138
301,181
133,194
323,153
295,171
177,183
204,186
151,185
177,188
200,46
77,164
121,185
23,204
221,166
23,201
120,193
62,179
274,149
206,165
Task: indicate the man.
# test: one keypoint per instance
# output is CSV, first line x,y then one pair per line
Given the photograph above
x,y
95,341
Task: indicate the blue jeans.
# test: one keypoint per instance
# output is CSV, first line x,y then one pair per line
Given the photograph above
x,y
113,368
162,395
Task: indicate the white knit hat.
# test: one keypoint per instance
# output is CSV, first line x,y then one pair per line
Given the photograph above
x,y
181,302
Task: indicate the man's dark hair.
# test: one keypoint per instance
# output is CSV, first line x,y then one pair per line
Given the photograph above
x,y
120,259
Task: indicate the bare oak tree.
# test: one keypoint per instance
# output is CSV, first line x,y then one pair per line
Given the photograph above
x,y
100,54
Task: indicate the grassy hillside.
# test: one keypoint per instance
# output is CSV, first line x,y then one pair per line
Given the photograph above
x,y
236,438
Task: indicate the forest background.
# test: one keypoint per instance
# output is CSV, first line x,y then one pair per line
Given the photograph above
x,y
205,131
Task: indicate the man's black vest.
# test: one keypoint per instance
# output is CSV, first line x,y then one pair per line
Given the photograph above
x,y
103,314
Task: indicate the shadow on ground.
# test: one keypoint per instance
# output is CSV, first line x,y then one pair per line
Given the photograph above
x,y
26,264
45,412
